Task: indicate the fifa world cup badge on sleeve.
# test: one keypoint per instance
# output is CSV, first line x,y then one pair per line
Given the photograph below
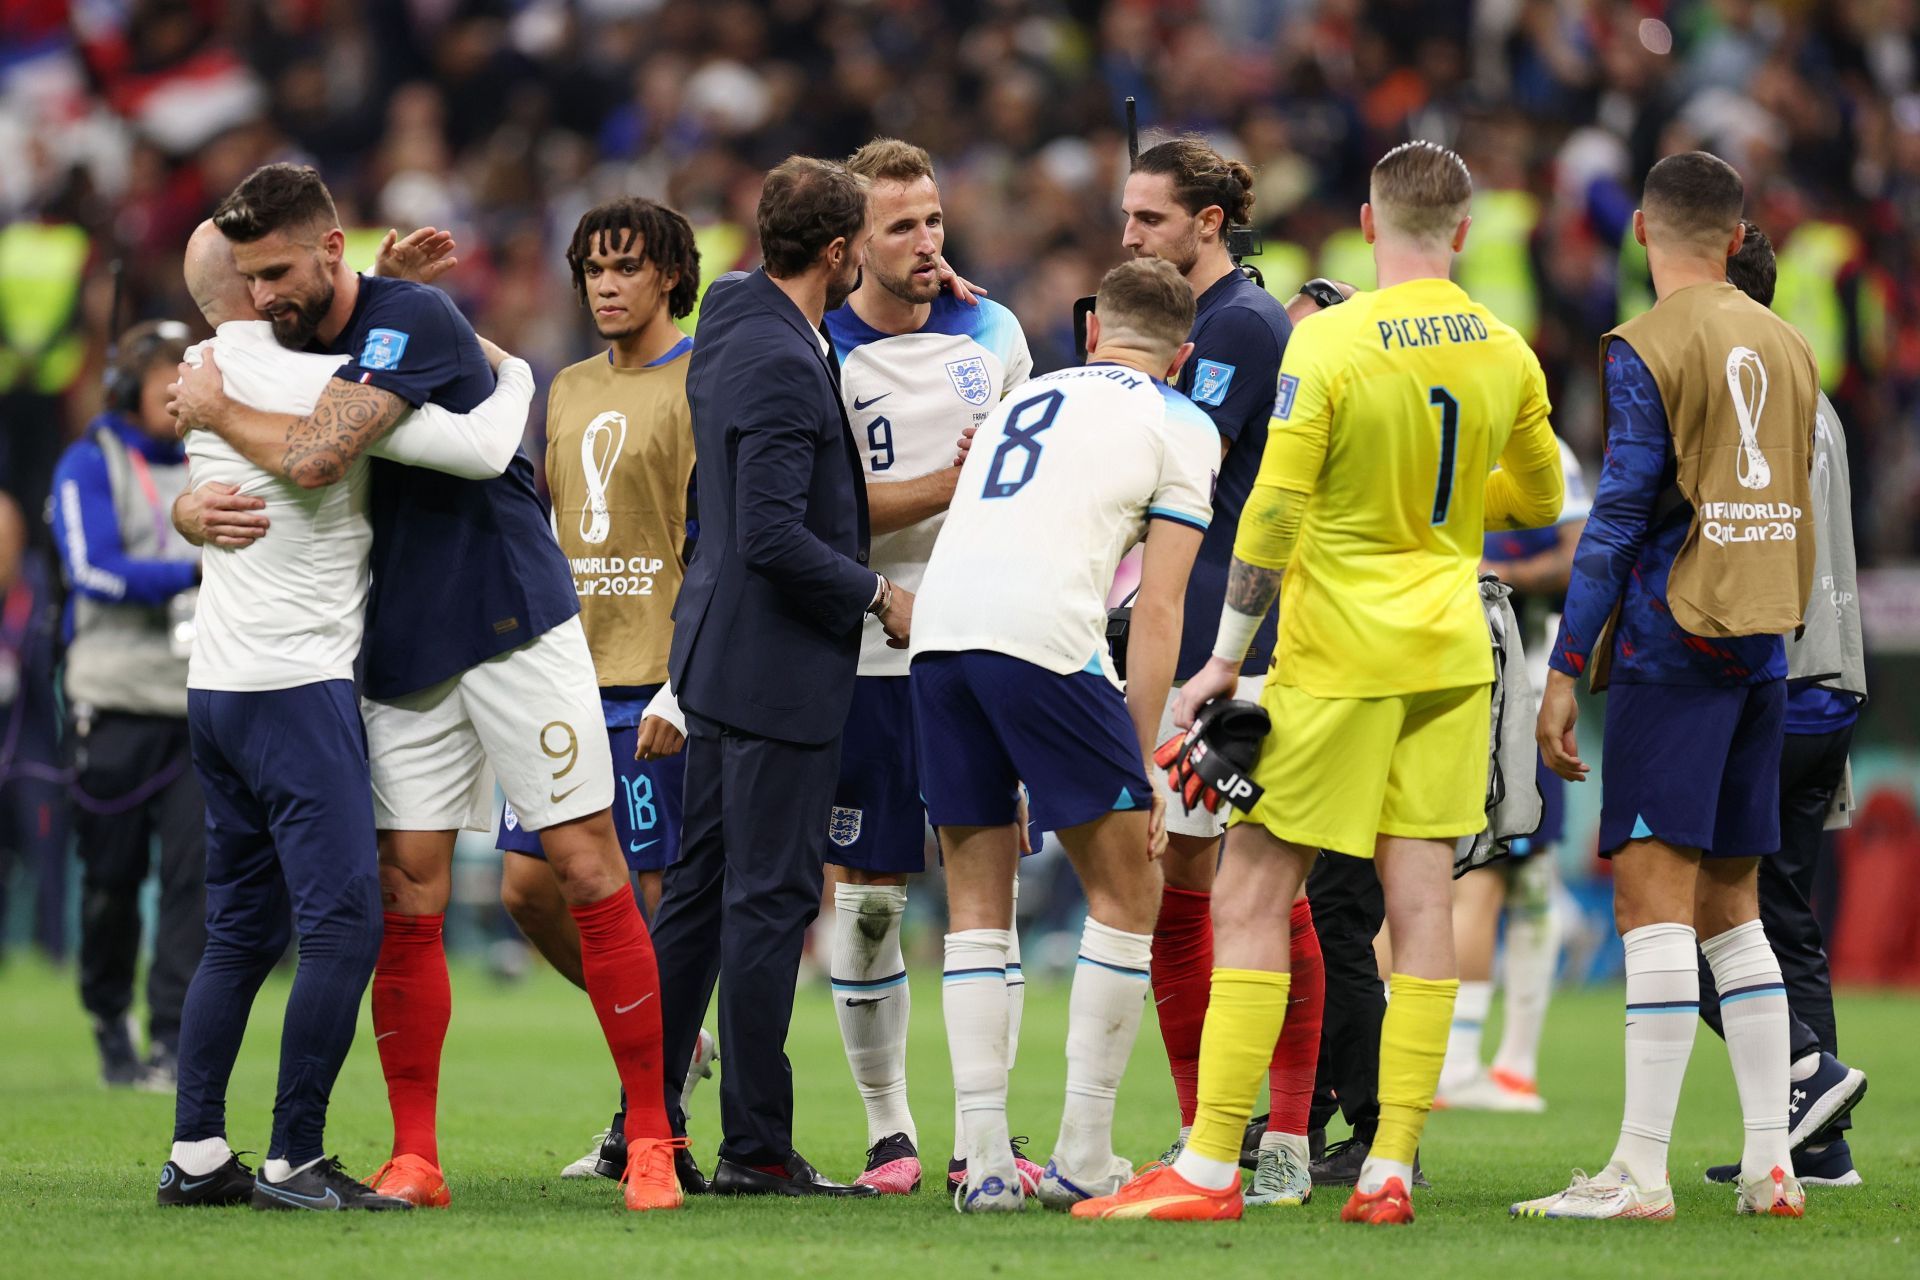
x,y
1283,396
384,349
1210,382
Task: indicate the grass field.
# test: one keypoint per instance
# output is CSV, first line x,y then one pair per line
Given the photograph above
x,y
527,1082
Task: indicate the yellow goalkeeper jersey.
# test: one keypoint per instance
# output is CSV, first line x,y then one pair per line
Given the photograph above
x,y
1392,410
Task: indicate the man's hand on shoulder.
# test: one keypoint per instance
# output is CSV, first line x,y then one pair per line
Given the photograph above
x,y
219,514
422,257
198,395
496,355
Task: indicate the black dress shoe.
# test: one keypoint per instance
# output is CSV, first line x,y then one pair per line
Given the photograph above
x,y
687,1169
1340,1166
800,1179
1250,1142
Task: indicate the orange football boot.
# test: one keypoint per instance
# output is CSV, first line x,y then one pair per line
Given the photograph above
x,y
1165,1196
650,1178
413,1179
1389,1205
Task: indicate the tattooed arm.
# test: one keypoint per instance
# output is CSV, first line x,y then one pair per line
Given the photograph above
x,y
312,451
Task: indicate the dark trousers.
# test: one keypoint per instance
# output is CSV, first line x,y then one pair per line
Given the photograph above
x,y
1348,910
1811,767
121,759
738,904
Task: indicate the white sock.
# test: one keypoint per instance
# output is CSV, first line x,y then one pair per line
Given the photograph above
x,y
873,1002
1663,1006
198,1159
1463,1037
1103,1018
1526,973
1205,1171
1753,1011
1375,1171
1274,1140
281,1170
1016,981
974,998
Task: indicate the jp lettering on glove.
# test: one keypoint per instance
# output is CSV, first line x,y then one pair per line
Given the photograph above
x,y
1211,763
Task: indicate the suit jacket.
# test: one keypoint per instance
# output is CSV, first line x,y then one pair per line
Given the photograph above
x,y
766,633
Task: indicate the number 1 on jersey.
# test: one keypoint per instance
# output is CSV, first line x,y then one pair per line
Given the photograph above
x,y
1443,400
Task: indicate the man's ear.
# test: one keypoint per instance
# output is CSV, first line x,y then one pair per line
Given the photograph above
x,y
334,245
1093,332
1367,228
1640,227
1739,238
835,253
1179,358
1212,220
1460,234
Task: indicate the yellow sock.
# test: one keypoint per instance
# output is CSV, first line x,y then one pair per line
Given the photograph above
x,y
1244,1012
1413,1043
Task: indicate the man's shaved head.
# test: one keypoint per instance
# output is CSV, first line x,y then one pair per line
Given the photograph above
x,y
217,286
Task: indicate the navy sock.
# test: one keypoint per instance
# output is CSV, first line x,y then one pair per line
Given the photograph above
x,y
337,956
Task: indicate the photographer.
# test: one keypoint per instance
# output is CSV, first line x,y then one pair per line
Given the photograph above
x,y
128,629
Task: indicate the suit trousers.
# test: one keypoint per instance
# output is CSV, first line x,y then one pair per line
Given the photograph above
x,y
1811,767
736,909
1348,911
145,759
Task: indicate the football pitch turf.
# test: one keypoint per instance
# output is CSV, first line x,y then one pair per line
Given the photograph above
x,y
527,1081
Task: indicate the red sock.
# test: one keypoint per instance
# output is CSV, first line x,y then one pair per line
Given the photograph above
x,y
1290,1077
412,1005
1182,971
624,984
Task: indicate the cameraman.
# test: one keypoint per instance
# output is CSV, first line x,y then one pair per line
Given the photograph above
x,y
128,629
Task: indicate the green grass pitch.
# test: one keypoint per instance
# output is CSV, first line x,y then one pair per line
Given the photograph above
x,y
527,1081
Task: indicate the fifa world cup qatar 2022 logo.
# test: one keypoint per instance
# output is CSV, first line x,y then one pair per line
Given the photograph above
x,y
600,450
1747,381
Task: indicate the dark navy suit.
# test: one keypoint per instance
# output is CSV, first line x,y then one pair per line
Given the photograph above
x,y
766,640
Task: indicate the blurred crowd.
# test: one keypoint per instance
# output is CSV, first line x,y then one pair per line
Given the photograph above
x,y
122,123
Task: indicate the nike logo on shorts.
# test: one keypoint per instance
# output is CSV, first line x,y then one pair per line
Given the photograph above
x,y
556,799
629,1008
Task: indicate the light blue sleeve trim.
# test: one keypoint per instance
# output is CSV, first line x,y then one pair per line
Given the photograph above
x,y
1178,517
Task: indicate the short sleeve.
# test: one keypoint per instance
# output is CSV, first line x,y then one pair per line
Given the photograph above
x,y
412,344
1188,465
1302,419
1233,369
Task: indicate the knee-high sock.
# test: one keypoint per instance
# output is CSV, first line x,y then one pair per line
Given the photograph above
x,y
1016,1007
973,998
623,982
1245,1012
1110,985
1413,1041
1663,1006
1182,970
1290,1075
1526,973
872,1001
337,956
412,1005
212,1022
1753,1009
1470,1009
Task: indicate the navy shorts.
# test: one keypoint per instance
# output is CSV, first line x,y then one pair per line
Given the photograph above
x,y
986,722
646,807
1553,813
289,811
878,822
1692,766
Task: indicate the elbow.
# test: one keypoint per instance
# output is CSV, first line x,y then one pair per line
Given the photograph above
x,y
762,547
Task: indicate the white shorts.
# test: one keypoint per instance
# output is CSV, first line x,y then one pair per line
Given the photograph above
x,y
530,715
1199,823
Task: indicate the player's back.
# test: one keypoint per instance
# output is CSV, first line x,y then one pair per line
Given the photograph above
x,y
1421,388
1060,481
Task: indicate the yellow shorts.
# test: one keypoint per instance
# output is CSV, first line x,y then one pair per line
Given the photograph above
x,y
1339,772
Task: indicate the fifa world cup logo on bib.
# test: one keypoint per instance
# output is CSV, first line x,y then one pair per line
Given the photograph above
x,y
1747,381
610,430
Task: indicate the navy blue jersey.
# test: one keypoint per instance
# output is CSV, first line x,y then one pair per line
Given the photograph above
x,y
1239,334
462,569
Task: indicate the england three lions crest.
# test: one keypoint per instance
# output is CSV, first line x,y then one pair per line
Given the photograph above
x,y
971,380
843,825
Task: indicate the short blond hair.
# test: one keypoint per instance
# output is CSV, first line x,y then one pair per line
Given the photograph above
x,y
1422,189
891,160
1148,299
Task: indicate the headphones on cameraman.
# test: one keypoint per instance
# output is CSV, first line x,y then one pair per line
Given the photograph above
x,y
128,360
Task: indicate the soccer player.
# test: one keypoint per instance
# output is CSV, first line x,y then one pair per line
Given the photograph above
x,y
1012,683
619,460
1700,549
1821,713
278,745
1536,564
919,370
474,661
1179,201
1372,501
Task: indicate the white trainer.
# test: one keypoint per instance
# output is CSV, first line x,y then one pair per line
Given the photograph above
x,y
1481,1092
706,1052
1611,1193
995,1194
1775,1194
584,1167
1058,1191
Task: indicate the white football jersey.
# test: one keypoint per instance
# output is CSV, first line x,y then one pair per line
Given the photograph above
x,y
908,397
1061,480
